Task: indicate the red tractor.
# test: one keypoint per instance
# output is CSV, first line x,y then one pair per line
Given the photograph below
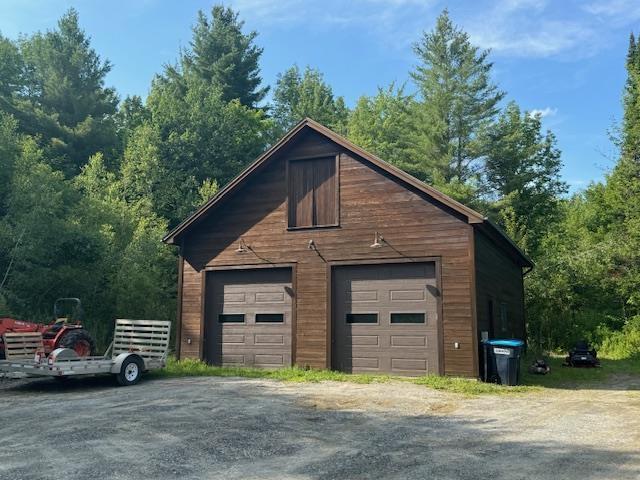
x,y
65,332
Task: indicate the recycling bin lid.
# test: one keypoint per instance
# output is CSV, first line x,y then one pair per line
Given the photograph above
x,y
512,342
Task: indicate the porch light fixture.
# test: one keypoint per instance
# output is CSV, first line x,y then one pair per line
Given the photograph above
x,y
378,241
311,245
242,247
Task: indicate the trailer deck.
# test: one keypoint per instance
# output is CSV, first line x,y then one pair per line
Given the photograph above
x,y
138,345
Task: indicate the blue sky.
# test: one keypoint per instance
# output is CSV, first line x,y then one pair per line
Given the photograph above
x,y
564,58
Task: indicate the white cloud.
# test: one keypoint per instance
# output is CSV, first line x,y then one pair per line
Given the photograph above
x,y
512,5
627,9
544,112
542,28
516,28
545,38
530,28
395,23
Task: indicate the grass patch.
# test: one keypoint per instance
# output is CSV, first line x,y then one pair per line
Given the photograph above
x,y
559,377
567,377
197,368
468,386
465,386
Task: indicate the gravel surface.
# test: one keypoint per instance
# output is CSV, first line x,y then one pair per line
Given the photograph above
x,y
228,428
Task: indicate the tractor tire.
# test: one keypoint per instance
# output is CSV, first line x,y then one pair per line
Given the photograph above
x,y
80,341
130,371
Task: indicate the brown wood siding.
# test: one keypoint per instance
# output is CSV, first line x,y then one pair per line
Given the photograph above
x,y
191,314
498,280
370,200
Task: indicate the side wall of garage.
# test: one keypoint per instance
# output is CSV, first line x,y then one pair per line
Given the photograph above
x,y
499,290
371,200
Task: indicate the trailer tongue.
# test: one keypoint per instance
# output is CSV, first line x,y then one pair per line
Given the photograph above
x,y
138,346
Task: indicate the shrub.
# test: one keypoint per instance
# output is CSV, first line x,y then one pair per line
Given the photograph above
x,y
623,343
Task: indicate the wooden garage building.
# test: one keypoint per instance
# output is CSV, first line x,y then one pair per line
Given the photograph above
x,y
320,254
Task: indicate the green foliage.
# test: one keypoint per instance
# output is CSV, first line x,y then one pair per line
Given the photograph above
x,y
132,113
522,169
11,70
631,102
53,83
200,136
625,343
384,125
52,255
458,100
224,57
65,76
306,95
9,152
207,190
586,281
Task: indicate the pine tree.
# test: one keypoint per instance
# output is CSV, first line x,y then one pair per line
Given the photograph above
x,y
11,72
299,95
631,101
458,100
65,75
224,56
63,100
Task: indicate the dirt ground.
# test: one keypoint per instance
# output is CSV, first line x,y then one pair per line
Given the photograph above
x,y
222,428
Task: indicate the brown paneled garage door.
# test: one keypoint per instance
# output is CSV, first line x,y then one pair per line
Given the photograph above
x,y
385,319
249,317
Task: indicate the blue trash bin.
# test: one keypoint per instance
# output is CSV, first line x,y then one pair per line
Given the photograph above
x,y
502,361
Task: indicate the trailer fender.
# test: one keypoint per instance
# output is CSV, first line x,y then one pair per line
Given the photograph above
x,y
119,360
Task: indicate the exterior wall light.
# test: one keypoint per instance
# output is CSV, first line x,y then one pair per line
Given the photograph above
x,y
378,241
242,247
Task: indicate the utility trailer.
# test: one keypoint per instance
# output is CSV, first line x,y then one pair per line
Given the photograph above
x,y
138,346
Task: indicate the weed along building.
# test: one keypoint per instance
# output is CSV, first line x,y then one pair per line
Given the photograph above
x,y
320,254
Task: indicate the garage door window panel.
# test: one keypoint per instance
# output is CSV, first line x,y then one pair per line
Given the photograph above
x,y
400,318
355,318
231,318
313,193
269,318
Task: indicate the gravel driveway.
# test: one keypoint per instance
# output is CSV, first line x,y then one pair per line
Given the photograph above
x,y
210,428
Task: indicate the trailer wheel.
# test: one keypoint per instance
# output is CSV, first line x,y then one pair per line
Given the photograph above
x,y
130,371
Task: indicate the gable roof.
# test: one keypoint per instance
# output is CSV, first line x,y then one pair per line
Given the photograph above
x,y
471,215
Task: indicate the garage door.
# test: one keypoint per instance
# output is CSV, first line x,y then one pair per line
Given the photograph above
x,y
385,319
249,317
